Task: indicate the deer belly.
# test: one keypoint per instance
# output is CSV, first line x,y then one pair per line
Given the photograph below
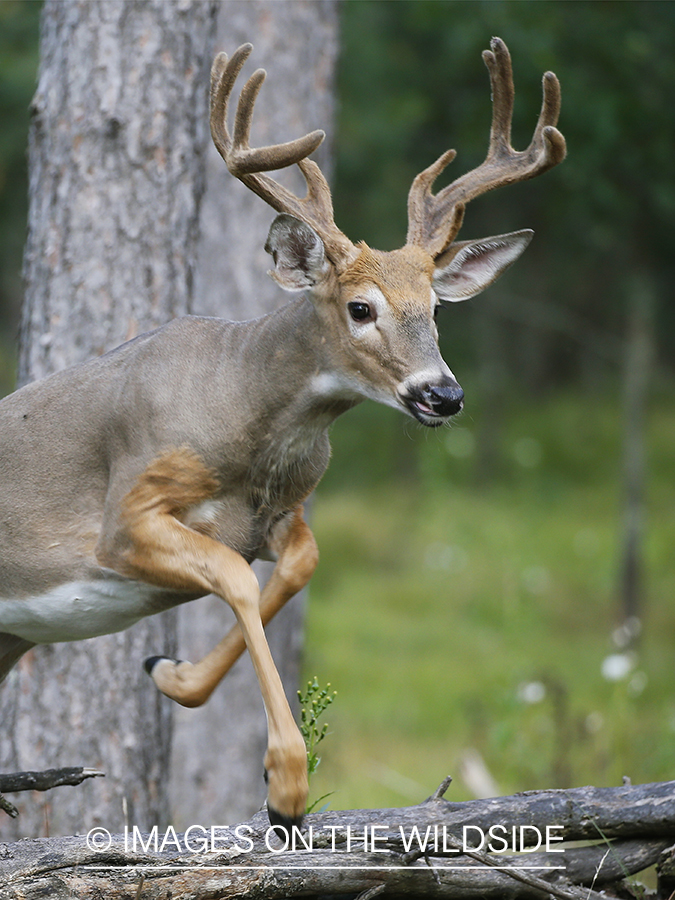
x,y
82,609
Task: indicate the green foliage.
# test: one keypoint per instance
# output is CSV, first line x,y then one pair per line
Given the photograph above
x,y
313,703
458,616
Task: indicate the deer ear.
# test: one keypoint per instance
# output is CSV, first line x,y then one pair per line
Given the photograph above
x,y
298,253
476,264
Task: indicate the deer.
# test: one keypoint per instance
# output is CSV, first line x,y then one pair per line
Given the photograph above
x,y
159,471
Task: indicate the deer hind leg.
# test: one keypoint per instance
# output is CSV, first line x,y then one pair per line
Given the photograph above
x,y
150,544
297,556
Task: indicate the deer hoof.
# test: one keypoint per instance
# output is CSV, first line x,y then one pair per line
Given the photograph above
x,y
281,824
152,661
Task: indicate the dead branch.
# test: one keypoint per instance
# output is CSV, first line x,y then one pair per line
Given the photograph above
x,y
44,781
40,781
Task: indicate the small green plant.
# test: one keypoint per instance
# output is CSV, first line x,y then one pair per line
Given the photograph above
x,y
313,703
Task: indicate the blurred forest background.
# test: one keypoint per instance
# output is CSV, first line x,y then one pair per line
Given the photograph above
x,y
494,600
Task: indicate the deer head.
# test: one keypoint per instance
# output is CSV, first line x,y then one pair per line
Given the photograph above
x,y
378,309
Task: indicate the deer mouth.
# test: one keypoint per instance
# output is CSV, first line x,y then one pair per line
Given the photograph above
x,y
424,412
433,405
424,409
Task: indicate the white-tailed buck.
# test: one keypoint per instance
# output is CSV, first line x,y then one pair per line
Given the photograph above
x,y
158,472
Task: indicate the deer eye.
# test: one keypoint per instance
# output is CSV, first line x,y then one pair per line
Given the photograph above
x,y
360,312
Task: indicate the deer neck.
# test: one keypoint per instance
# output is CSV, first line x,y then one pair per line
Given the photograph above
x,y
291,351
293,405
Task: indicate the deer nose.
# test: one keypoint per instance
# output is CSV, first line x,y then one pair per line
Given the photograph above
x,y
445,400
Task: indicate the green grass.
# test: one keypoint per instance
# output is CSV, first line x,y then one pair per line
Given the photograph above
x,y
438,599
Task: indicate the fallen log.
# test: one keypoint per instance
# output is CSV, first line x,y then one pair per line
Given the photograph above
x,y
435,849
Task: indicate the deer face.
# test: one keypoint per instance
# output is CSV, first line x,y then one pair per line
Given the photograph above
x,y
387,307
378,313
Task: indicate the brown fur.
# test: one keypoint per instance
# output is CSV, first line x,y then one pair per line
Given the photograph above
x,y
293,542
159,549
388,269
402,275
150,542
174,481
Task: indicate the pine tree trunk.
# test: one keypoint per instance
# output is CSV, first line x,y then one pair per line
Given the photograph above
x,y
218,748
117,145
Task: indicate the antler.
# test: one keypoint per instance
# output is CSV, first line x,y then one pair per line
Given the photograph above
x,y
435,220
247,164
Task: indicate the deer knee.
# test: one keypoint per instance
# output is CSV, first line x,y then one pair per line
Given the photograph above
x,y
178,680
297,565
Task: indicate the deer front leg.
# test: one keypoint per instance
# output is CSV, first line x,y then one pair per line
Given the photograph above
x,y
191,684
150,544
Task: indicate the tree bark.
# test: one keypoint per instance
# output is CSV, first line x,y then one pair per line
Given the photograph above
x,y
218,748
119,127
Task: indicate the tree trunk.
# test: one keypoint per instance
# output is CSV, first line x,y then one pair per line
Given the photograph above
x,y
218,748
116,176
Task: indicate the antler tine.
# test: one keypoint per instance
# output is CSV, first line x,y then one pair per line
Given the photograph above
x,y
248,164
547,143
434,221
498,62
425,215
265,159
224,73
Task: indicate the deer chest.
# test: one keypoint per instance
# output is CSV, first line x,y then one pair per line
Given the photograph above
x,y
243,512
